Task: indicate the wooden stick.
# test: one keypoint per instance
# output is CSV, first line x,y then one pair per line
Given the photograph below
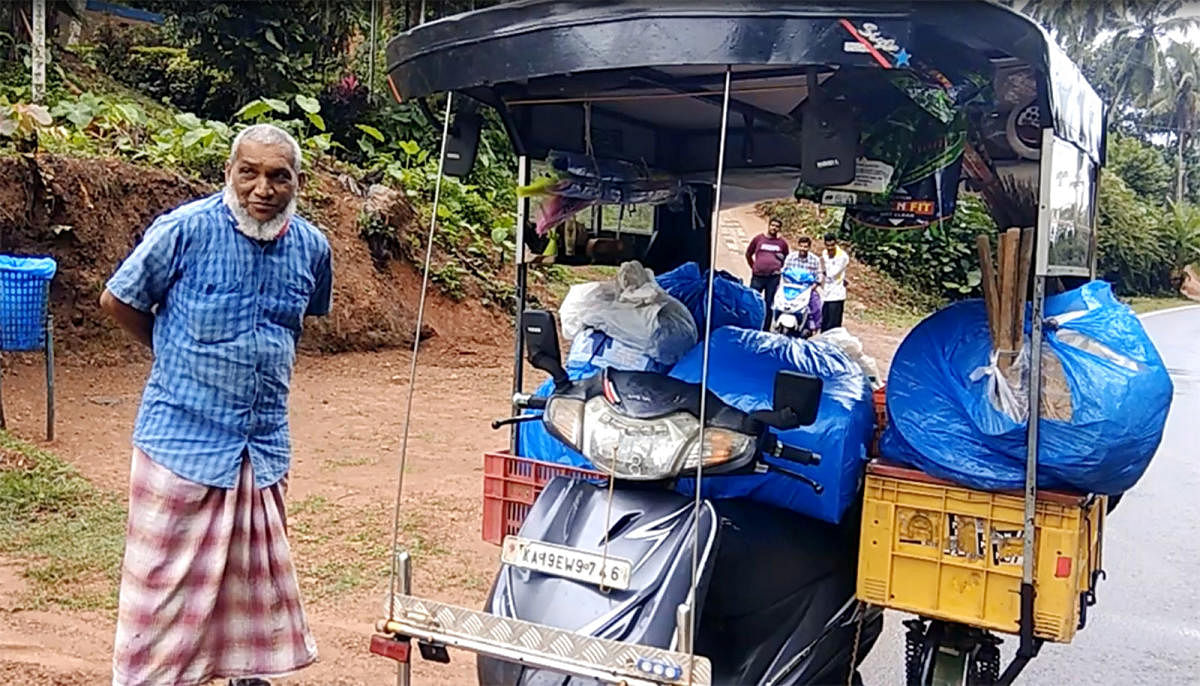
x,y
991,299
1009,243
1024,265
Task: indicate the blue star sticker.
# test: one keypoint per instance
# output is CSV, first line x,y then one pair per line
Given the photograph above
x,y
902,58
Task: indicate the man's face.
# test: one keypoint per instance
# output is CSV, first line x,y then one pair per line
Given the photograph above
x,y
263,179
773,228
802,248
831,245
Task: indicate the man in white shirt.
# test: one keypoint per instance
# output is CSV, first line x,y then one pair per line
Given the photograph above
x,y
833,288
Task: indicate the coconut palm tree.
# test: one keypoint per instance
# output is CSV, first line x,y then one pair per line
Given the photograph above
x,y
1135,36
1178,99
1074,23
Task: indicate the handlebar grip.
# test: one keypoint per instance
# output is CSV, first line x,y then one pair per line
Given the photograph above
x,y
776,448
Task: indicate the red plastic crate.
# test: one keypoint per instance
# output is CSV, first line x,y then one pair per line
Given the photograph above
x,y
511,484
881,419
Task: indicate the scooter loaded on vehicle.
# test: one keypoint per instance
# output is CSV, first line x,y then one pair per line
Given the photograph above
x,y
775,600
689,500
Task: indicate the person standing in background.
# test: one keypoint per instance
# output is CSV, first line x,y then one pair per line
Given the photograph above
x,y
765,255
833,288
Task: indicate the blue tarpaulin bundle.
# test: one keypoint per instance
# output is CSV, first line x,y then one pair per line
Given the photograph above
x,y
742,368
945,421
733,303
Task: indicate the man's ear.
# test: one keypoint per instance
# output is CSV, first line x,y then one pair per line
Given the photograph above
x,y
301,181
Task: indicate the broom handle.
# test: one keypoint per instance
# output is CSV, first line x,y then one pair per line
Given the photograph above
x,y
1009,244
988,280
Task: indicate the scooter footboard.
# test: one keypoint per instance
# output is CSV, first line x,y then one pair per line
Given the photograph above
x,y
535,645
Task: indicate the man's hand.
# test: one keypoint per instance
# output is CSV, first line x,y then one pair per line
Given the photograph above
x,y
138,324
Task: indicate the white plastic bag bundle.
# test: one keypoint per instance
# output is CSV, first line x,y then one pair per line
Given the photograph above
x,y
634,310
850,345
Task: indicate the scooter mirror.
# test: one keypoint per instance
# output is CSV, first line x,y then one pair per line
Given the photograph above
x,y
540,332
799,393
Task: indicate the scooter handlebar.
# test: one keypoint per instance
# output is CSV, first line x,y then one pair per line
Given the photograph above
x,y
776,448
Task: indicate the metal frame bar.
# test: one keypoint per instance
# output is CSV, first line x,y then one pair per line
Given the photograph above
x,y
524,167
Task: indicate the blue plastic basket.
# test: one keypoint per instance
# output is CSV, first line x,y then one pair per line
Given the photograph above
x,y
24,287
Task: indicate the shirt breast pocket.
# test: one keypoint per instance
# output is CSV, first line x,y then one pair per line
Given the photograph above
x,y
215,315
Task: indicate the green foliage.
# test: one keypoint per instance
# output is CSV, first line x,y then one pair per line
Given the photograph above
x,y
1132,255
1181,238
940,260
1141,166
266,47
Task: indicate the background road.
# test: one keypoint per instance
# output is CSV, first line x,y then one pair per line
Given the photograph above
x,y
1145,628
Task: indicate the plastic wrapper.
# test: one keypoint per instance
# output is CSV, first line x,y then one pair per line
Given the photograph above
x,y
853,347
743,365
733,303
633,309
954,415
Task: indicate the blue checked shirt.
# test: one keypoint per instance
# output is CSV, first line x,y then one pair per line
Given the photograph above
x,y
228,312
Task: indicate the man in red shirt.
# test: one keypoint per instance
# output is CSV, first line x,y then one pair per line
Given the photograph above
x,y
765,255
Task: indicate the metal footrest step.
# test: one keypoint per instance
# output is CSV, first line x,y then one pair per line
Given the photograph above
x,y
523,642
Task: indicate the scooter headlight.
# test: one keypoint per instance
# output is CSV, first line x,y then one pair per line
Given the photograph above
x,y
649,449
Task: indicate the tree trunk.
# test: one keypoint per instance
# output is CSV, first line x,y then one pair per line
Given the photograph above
x,y
1180,171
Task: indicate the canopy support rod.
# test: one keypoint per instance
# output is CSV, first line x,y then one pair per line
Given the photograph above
x,y
522,271
412,369
708,306
1028,646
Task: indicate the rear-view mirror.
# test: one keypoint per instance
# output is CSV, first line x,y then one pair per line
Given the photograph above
x,y
540,332
828,139
462,140
799,393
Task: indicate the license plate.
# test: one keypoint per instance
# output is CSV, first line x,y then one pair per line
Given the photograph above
x,y
570,563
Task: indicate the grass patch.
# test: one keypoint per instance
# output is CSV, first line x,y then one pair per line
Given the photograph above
x,y
1146,304
339,549
67,534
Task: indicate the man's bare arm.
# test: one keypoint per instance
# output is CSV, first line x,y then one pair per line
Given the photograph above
x,y
138,324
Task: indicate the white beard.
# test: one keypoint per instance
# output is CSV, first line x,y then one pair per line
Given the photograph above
x,y
248,225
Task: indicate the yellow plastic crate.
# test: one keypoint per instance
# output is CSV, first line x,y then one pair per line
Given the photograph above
x,y
947,552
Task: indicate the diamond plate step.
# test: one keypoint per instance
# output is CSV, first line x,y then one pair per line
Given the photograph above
x,y
542,646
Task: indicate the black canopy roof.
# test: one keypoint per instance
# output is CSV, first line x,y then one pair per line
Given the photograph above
x,y
652,72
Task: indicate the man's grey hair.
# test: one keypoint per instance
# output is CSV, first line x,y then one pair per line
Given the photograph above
x,y
267,134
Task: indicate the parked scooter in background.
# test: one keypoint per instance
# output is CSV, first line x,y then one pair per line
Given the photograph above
x,y
794,312
774,601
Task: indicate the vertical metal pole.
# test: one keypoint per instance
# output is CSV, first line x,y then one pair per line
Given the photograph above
x,y
49,377
404,584
523,173
706,337
3,421
39,51
1031,458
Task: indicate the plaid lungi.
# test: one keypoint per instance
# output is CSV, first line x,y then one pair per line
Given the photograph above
x,y
208,589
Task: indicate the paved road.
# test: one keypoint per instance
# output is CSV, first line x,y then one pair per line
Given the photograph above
x,y
1145,628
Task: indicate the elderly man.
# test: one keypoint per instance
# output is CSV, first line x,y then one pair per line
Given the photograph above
x,y
218,289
